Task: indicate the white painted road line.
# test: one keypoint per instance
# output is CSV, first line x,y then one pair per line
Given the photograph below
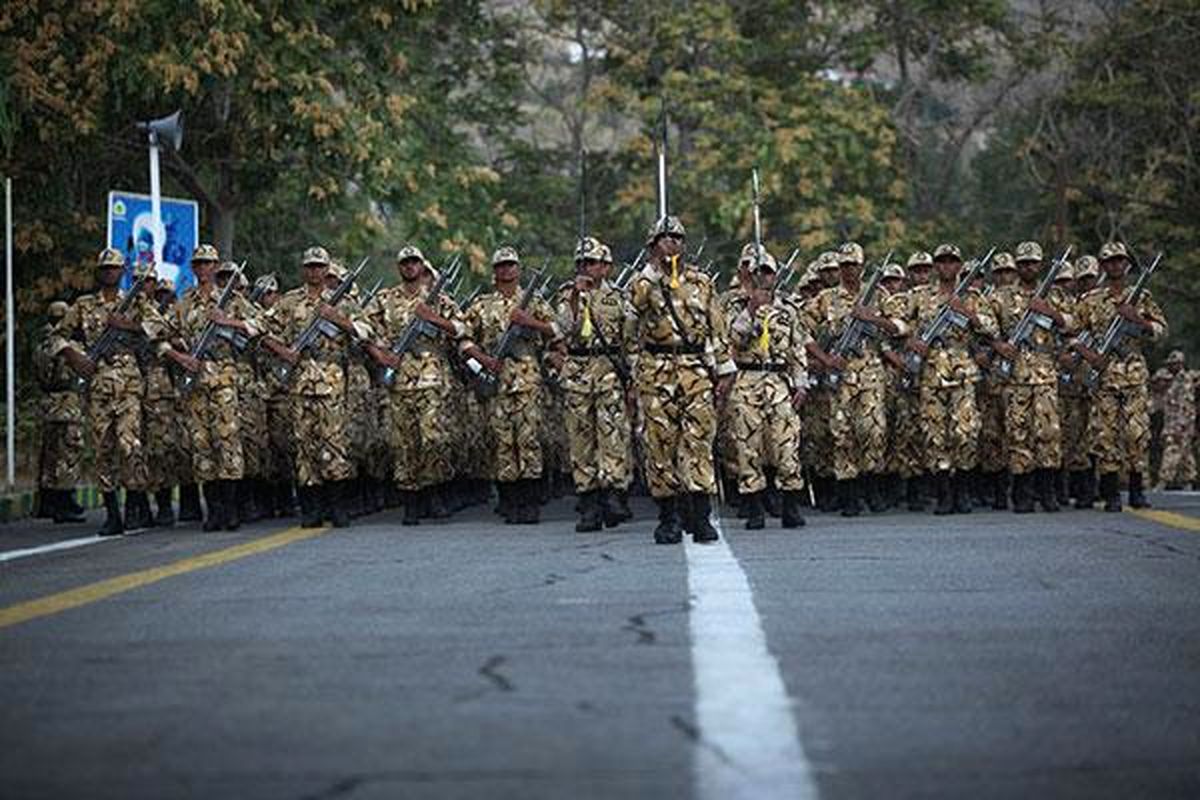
x,y
749,746
66,544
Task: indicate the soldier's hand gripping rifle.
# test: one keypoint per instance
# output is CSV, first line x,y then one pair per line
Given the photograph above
x,y
1019,337
1119,329
210,333
946,319
317,325
112,336
488,383
850,342
418,326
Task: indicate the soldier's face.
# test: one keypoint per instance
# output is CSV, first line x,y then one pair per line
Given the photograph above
x,y
110,276
506,272
411,269
314,274
947,269
1085,285
269,299
892,285
830,277
669,244
1004,277
595,269
203,270
1029,271
918,274
1114,268
1176,367
851,273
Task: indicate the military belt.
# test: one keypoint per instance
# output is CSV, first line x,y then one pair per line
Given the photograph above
x,y
762,367
588,352
674,349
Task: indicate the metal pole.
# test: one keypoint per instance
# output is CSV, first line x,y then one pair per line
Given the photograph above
x,y
156,201
10,393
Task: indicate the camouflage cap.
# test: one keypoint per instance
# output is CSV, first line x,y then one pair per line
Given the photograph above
x,y
1003,262
767,263
166,285
268,283
315,255
1065,273
663,227
57,310
606,254
1161,375
1087,267
409,251
747,256
851,253
227,266
921,258
809,276
1029,251
893,271
1175,357
947,251
505,255
110,257
1113,250
205,252
589,248
827,260
144,269
337,270
243,281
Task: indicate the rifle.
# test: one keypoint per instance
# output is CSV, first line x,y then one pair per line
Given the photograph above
x,y
945,319
472,297
1120,329
851,340
488,384
366,299
210,332
319,326
112,337
417,326
1024,327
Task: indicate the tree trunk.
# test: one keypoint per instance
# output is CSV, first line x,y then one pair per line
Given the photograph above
x,y
222,227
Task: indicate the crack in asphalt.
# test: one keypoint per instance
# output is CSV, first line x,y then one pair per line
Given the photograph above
x,y
637,624
1153,541
692,734
488,671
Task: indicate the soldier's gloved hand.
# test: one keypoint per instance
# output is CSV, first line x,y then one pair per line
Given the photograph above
x,y
917,346
333,315
865,314
428,314
79,362
384,357
1005,349
1040,306
837,362
492,365
1130,313
221,318
520,316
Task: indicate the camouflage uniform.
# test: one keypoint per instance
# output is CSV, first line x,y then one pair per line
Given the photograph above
x,y
817,413
1179,426
277,460
684,345
60,416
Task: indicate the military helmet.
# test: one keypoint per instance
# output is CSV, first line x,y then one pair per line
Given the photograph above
x,y
747,256
893,271
606,254
57,310
1029,251
267,283
1113,250
850,253
947,251
1065,273
589,248
315,255
827,260
921,258
810,275
1087,267
1003,262
1175,357
662,227
205,252
767,263
504,255
110,257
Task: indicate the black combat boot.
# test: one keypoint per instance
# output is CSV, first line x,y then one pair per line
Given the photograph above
x,y
591,517
46,500
873,484
112,516
1110,491
1047,489
310,506
189,503
339,498
412,514
1062,489
826,489
620,502
137,510
71,504
914,493
229,501
756,517
792,518
504,502
435,502
531,508
285,499
945,496
1022,493
963,494
1086,498
851,501
62,509
698,521
610,508
1137,492
214,517
771,501
166,515
668,530
1000,482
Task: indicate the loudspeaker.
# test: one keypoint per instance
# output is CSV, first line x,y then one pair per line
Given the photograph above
x,y
167,130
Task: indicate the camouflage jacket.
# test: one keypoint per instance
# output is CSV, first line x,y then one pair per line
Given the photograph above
x,y
486,321
774,336
1179,405
427,361
949,362
692,320
324,362
1037,363
87,318
1096,310
586,318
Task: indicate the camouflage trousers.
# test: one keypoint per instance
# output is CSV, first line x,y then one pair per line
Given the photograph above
x,y
817,446
1073,418
279,461
858,424
165,449
676,395
255,437
907,450
322,453
214,422
515,421
556,450
1119,429
60,464
420,437
115,424
1178,460
765,432
359,415
951,423
597,436
993,447
1031,427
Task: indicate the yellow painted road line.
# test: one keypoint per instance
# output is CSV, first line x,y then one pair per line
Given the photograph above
x,y
1168,518
93,592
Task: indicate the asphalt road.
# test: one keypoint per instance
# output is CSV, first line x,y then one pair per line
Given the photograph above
x,y
890,656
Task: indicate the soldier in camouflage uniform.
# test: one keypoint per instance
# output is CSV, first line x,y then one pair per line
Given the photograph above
x,y
816,424
318,389
278,462
1074,400
730,301
114,394
515,412
909,435
684,369
420,396
61,427
947,380
1031,421
177,464
768,341
1179,426
1119,427
598,331
989,397
160,416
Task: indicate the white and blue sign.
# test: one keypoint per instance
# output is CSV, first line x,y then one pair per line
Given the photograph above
x,y
131,230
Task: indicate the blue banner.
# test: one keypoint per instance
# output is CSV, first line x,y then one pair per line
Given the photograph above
x,y
131,230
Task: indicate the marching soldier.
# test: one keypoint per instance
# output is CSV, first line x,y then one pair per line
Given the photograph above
x,y
420,396
514,413
278,462
598,329
1119,427
768,343
114,395
1179,425
1074,400
909,434
160,415
816,424
989,397
683,367
61,427
1031,421
318,389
